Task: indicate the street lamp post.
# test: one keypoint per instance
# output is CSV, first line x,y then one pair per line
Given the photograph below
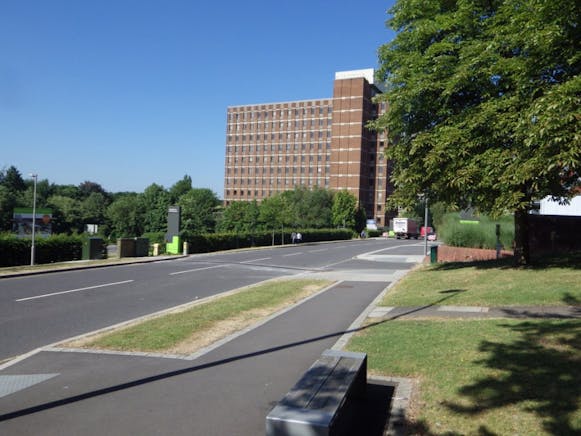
x,y
34,177
426,227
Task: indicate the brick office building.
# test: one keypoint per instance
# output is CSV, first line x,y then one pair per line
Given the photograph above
x,y
274,147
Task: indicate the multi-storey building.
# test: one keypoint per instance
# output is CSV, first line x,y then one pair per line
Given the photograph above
x,y
275,147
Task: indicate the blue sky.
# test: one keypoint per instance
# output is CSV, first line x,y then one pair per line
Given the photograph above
x,y
127,93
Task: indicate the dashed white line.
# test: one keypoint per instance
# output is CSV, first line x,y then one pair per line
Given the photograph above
x,y
74,290
317,251
292,254
196,269
256,260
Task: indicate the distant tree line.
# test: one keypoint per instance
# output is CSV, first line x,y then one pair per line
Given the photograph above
x,y
130,214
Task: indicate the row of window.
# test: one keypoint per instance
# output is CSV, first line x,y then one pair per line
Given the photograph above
x,y
278,187
245,149
271,170
277,113
281,125
280,135
276,158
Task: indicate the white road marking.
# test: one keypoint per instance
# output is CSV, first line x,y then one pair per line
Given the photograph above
x,y
256,260
316,251
292,254
196,269
10,384
74,290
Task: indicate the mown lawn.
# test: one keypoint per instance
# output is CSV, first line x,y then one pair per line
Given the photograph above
x,y
483,376
487,376
487,284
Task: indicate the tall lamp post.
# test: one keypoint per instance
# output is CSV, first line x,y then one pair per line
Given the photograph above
x,y
426,226
34,177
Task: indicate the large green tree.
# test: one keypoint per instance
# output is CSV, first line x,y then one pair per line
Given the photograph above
x,y
125,216
198,208
155,201
273,213
344,209
483,102
93,208
240,217
66,214
308,208
179,188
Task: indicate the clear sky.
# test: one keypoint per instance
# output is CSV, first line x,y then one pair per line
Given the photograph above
x,y
126,93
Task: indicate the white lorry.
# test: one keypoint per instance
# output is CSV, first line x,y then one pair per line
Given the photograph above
x,y
405,228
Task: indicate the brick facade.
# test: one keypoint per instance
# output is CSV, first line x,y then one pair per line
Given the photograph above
x,y
271,148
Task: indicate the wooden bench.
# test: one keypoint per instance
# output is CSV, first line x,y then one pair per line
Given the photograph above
x,y
319,403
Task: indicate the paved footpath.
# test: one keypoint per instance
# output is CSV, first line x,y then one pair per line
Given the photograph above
x,y
228,391
439,311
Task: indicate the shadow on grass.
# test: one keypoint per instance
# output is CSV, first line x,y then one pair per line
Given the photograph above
x,y
568,260
422,428
541,371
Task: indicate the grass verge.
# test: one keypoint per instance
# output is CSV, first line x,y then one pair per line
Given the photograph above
x,y
483,376
487,284
187,331
487,376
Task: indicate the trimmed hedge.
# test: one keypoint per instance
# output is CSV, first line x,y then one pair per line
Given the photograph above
x,y
58,248
207,243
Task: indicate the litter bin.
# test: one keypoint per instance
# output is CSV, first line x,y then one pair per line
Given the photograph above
x,y
93,249
434,254
126,247
141,247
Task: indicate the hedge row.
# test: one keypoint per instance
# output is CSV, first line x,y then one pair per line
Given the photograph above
x,y
228,241
62,248
477,234
58,248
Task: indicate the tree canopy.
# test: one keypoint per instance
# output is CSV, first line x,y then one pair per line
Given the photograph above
x,y
483,103
131,214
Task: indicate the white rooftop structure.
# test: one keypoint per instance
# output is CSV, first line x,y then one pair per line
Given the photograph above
x,y
367,74
550,207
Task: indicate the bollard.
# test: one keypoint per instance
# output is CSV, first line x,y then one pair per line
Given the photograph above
x,y
156,249
434,254
186,247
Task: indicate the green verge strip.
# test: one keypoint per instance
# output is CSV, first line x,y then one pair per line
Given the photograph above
x,y
167,332
483,376
486,285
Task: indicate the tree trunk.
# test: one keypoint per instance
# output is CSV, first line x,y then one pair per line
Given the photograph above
x,y
521,238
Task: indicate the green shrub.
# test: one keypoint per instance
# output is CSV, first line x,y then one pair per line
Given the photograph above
x,y
155,237
203,243
57,248
480,234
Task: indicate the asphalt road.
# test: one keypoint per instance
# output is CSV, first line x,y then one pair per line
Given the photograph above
x,y
229,388
42,309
